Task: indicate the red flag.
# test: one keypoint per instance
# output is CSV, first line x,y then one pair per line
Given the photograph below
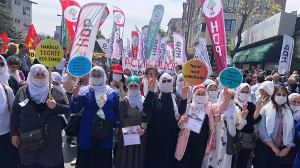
x,y
5,42
70,10
33,38
103,18
135,43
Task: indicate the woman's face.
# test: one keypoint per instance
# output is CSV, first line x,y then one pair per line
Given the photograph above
x,y
245,90
13,68
281,92
213,88
201,92
295,101
127,73
55,83
151,73
263,93
96,74
133,86
39,75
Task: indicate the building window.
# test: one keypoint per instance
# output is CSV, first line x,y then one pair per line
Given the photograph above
x,y
203,27
26,11
17,2
230,25
229,5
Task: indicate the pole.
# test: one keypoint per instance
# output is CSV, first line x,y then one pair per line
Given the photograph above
x,y
50,82
190,97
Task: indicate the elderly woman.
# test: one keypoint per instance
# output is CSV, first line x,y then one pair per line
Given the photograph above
x,y
56,81
99,101
294,100
32,110
162,128
132,114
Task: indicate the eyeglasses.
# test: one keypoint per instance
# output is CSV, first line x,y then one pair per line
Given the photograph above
x,y
133,86
164,81
153,74
2,64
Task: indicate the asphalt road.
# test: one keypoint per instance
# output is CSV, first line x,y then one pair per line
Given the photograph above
x,y
69,152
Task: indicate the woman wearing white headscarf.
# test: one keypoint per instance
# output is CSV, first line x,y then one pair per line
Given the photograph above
x,y
243,101
235,120
56,81
213,92
291,159
193,146
276,131
162,127
96,99
265,91
33,109
132,114
8,153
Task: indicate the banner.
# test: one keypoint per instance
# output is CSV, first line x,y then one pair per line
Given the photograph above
x,y
179,48
154,25
144,39
286,54
103,43
33,38
65,33
155,49
103,17
86,30
119,21
169,54
70,10
135,44
128,50
5,42
213,11
202,55
163,48
140,43
111,41
139,66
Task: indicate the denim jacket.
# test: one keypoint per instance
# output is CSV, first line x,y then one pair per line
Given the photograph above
x,y
263,130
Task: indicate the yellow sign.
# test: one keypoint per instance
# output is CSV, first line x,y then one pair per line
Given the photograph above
x,y
99,55
194,72
49,53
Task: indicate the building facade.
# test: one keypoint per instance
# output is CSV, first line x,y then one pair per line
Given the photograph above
x,y
21,14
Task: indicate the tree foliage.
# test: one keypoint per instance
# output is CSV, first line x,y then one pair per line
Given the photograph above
x,y
6,21
162,33
248,10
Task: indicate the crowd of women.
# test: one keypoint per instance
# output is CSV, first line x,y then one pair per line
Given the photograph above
x,y
255,124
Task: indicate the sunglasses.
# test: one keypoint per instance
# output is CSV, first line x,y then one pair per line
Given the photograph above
x,y
153,74
133,86
2,64
164,81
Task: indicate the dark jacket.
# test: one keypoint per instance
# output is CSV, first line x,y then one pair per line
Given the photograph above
x,y
22,64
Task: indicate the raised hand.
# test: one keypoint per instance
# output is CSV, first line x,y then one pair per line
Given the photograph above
x,y
75,91
182,121
185,90
244,111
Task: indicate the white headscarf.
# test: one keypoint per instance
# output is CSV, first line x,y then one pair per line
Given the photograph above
x,y
237,92
102,88
56,77
297,113
267,86
38,94
146,86
3,100
168,76
194,102
212,99
5,75
179,85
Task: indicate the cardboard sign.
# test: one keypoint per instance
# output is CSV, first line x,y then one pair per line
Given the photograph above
x,y
231,77
79,66
195,72
49,53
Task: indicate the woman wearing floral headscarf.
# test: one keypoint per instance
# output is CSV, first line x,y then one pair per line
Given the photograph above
x,y
97,99
193,146
162,128
33,109
132,114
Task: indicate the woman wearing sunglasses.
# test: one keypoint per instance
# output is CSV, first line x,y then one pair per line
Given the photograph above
x,y
150,72
132,114
162,128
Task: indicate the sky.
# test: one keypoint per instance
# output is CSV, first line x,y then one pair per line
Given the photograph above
x,y
137,13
